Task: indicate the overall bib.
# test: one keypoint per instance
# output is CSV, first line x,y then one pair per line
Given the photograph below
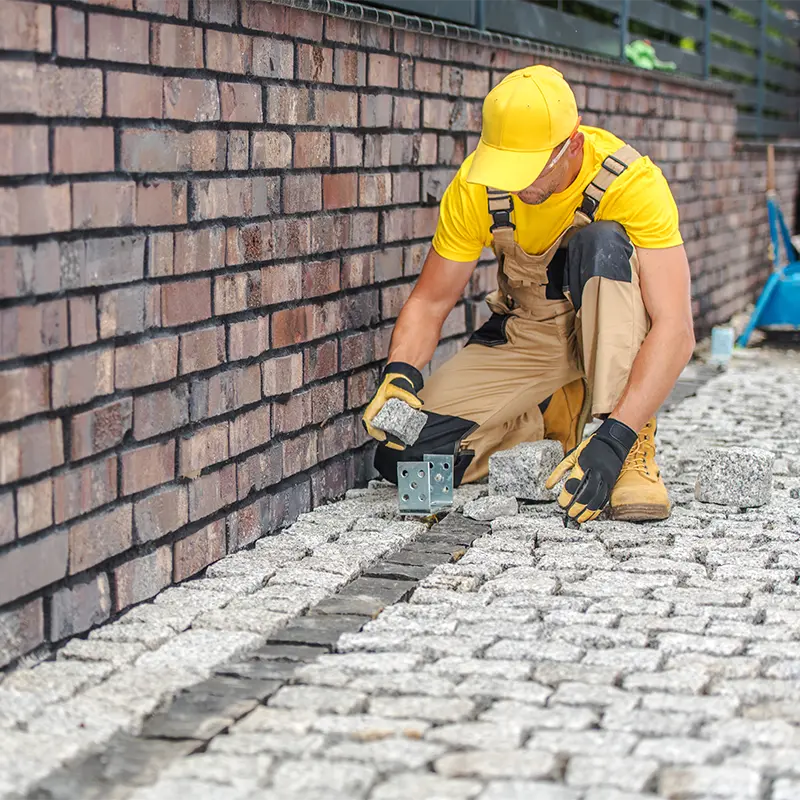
x,y
574,312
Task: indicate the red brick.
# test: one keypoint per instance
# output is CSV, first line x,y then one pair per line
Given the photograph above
x,y
80,606
357,270
314,63
65,92
270,150
30,567
361,387
132,309
105,204
30,449
248,524
183,302
228,52
340,190
406,113
160,247
196,552
292,326
25,391
33,329
34,507
237,292
29,270
260,470
249,430
330,482
191,99
133,95
241,102
80,378
26,26
212,492
302,193
156,150
248,338
357,349
147,466
142,577
299,453
70,33
312,149
87,548
376,110
320,361
327,400
166,8
161,203
99,262
30,210
81,490
282,20
235,197
225,392
8,519
223,12
124,5
101,428
282,374
203,448
150,362
294,234
273,58
388,264
350,68
383,70
375,189
176,46
119,39
292,106
335,438
21,630
161,513
199,250
77,150
202,349
161,411
320,278
249,243
238,150
405,187
23,150
292,413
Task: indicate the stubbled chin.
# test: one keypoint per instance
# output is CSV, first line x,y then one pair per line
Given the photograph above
x,y
533,199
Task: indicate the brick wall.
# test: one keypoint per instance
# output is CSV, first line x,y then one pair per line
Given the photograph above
x,y
211,212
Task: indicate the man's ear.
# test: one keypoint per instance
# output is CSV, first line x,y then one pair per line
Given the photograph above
x,y
576,145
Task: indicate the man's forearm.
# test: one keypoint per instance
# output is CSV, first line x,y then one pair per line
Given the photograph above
x,y
660,361
416,334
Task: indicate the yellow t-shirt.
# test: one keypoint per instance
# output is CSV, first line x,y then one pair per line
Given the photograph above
x,y
640,200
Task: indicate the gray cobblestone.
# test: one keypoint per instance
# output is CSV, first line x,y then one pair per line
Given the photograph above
x,y
444,709
569,743
527,790
584,694
631,774
388,755
674,750
220,768
481,735
420,785
282,743
709,782
497,688
496,668
485,764
319,699
169,789
365,727
675,681
650,723
534,650
565,718
785,789
553,673
300,777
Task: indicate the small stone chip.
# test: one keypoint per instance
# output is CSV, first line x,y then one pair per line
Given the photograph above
x,y
521,472
736,476
399,419
485,509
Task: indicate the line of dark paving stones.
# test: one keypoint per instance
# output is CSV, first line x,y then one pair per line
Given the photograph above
x,y
200,713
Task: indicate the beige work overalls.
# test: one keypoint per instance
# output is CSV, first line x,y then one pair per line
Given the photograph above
x,y
546,345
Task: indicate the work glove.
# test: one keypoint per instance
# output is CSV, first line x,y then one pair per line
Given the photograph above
x,y
399,380
594,467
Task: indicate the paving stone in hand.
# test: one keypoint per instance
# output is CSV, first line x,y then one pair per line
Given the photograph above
x,y
399,419
521,472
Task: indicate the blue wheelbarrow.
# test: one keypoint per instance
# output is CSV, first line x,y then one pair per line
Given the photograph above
x,y
777,311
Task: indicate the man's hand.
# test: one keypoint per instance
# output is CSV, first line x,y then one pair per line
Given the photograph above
x,y
402,381
595,465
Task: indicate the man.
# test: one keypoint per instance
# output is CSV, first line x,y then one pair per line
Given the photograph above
x,y
591,318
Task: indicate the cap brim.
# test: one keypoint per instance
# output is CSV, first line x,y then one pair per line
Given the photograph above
x,y
511,171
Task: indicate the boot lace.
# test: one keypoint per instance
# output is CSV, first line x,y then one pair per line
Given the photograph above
x,y
639,457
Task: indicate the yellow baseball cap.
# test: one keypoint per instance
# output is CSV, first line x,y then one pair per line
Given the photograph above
x,y
529,113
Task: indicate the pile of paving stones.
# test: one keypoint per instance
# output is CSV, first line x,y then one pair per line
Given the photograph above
x,y
363,656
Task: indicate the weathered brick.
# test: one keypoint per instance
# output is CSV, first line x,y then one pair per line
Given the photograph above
x,y
248,524
223,12
82,320
30,449
237,292
238,150
350,67
80,378
260,470
375,189
24,391
77,150
161,411
293,413
155,150
183,302
146,363
26,26
31,566
191,99
376,110
199,250
314,63
270,150
302,193
294,234
70,33
330,482
30,210
248,338
228,52
383,70
161,513
78,607
23,149
142,578
292,106
20,88
166,8
161,203
34,507
249,430
197,551
348,150
240,102
132,309
116,38
299,453
361,387
245,244
8,518
273,58
292,326
100,428
312,149
321,361
21,630
99,262
225,392
335,438
340,190
29,270
202,349
406,113
86,548
203,448
147,466
235,197
130,94
81,490
160,258
29,330
211,492
282,374
405,188
176,45
107,204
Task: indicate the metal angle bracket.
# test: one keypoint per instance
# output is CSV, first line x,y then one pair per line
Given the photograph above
x,y
425,487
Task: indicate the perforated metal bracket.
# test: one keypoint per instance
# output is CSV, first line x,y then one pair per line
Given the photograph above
x,y
425,487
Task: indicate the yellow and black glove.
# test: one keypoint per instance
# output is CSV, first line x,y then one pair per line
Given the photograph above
x,y
399,380
595,465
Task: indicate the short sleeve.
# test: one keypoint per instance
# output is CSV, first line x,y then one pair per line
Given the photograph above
x,y
459,232
643,204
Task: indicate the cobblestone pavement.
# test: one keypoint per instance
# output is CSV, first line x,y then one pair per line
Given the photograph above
x,y
517,660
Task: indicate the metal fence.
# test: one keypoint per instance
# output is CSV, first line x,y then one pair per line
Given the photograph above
x,y
750,45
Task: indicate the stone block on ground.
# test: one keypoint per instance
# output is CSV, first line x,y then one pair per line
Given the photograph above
x,y
485,509
521,472
735,476
399,419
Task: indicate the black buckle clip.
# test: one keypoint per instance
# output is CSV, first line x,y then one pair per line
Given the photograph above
x,y
502,219
589,206
614,172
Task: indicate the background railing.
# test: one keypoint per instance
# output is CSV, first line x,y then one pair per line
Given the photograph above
x,y
750,45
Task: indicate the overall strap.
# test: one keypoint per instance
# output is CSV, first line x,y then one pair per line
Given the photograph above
x,y
500,208
613,166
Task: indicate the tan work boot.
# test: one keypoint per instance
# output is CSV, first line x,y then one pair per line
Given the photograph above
x,y
562,417
639,494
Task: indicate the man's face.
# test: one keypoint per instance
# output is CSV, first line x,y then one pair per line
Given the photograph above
x,y
548,182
